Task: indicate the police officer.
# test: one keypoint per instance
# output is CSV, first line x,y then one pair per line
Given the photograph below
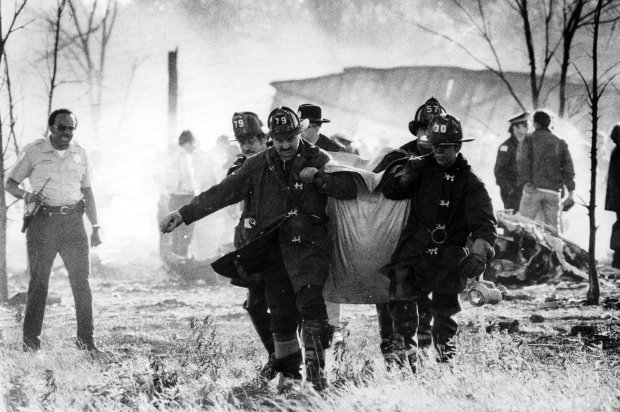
x,y
506,163
58,227
312,134
252,140
449,204
288,190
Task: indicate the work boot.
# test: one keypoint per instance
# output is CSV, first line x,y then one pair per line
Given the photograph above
x,y
31,344
87,345
412,359
288,383
268,371
445,352
393,350
313,336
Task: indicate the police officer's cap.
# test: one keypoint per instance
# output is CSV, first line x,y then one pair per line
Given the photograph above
x,y
246,125
519,118
284,122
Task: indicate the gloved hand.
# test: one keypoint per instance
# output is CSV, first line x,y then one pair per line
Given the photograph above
x,y
307,174
410,171
483,248
473,265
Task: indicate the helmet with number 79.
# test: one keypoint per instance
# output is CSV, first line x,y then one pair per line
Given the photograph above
x,y
284,122
246,125
446,130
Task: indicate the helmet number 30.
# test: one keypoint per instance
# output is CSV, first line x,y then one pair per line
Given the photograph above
x,y
439,128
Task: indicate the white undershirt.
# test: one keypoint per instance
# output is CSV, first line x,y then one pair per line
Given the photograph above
x,y
61,153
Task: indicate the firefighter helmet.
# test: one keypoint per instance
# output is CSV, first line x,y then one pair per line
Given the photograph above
x,y
284,122
246,124
425,113
446,130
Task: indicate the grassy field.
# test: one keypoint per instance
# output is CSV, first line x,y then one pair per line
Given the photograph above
x,y
175,346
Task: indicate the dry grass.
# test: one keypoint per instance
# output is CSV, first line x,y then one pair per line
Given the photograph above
x,y
170,356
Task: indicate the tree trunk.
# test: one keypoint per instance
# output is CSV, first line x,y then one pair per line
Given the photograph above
x,y
4,286
594,292
173,92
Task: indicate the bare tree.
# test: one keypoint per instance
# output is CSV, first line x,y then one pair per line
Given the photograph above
x,y
577,14
549,45
87,45
595,92
4,38
52,55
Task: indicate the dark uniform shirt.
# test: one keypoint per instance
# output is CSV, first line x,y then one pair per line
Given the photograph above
x,y
612,200
506,174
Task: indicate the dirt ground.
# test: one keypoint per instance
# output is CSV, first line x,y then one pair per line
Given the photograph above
x,y
127,296
158,328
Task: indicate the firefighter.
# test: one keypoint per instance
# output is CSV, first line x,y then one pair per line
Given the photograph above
x,y
288,189
449,204
252,140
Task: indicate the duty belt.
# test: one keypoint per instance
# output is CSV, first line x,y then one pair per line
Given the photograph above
x,y
62,210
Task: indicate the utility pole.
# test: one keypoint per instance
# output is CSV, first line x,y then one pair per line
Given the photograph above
x,y
173,95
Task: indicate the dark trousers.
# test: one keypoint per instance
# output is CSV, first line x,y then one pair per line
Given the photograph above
x,y
182,235
615,242
256,305
285,304
511,197
441,308
46,237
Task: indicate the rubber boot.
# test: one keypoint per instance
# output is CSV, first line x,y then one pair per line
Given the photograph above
x,y
288,355
314,337
405,316
444,334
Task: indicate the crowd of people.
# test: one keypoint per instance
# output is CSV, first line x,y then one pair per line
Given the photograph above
x,y
282,241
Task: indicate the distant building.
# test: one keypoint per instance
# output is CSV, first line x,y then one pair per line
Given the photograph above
x,y
377,104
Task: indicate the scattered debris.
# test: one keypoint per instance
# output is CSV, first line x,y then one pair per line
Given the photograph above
x,y
535,318
611,302
583,330
502,323
517,295
530,252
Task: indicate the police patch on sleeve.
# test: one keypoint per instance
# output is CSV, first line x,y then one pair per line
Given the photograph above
x,y
503,148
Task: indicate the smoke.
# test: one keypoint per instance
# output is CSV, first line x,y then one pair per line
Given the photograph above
x,y
228,53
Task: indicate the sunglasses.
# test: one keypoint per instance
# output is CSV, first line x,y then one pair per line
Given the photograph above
x,y
62,128
438,145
